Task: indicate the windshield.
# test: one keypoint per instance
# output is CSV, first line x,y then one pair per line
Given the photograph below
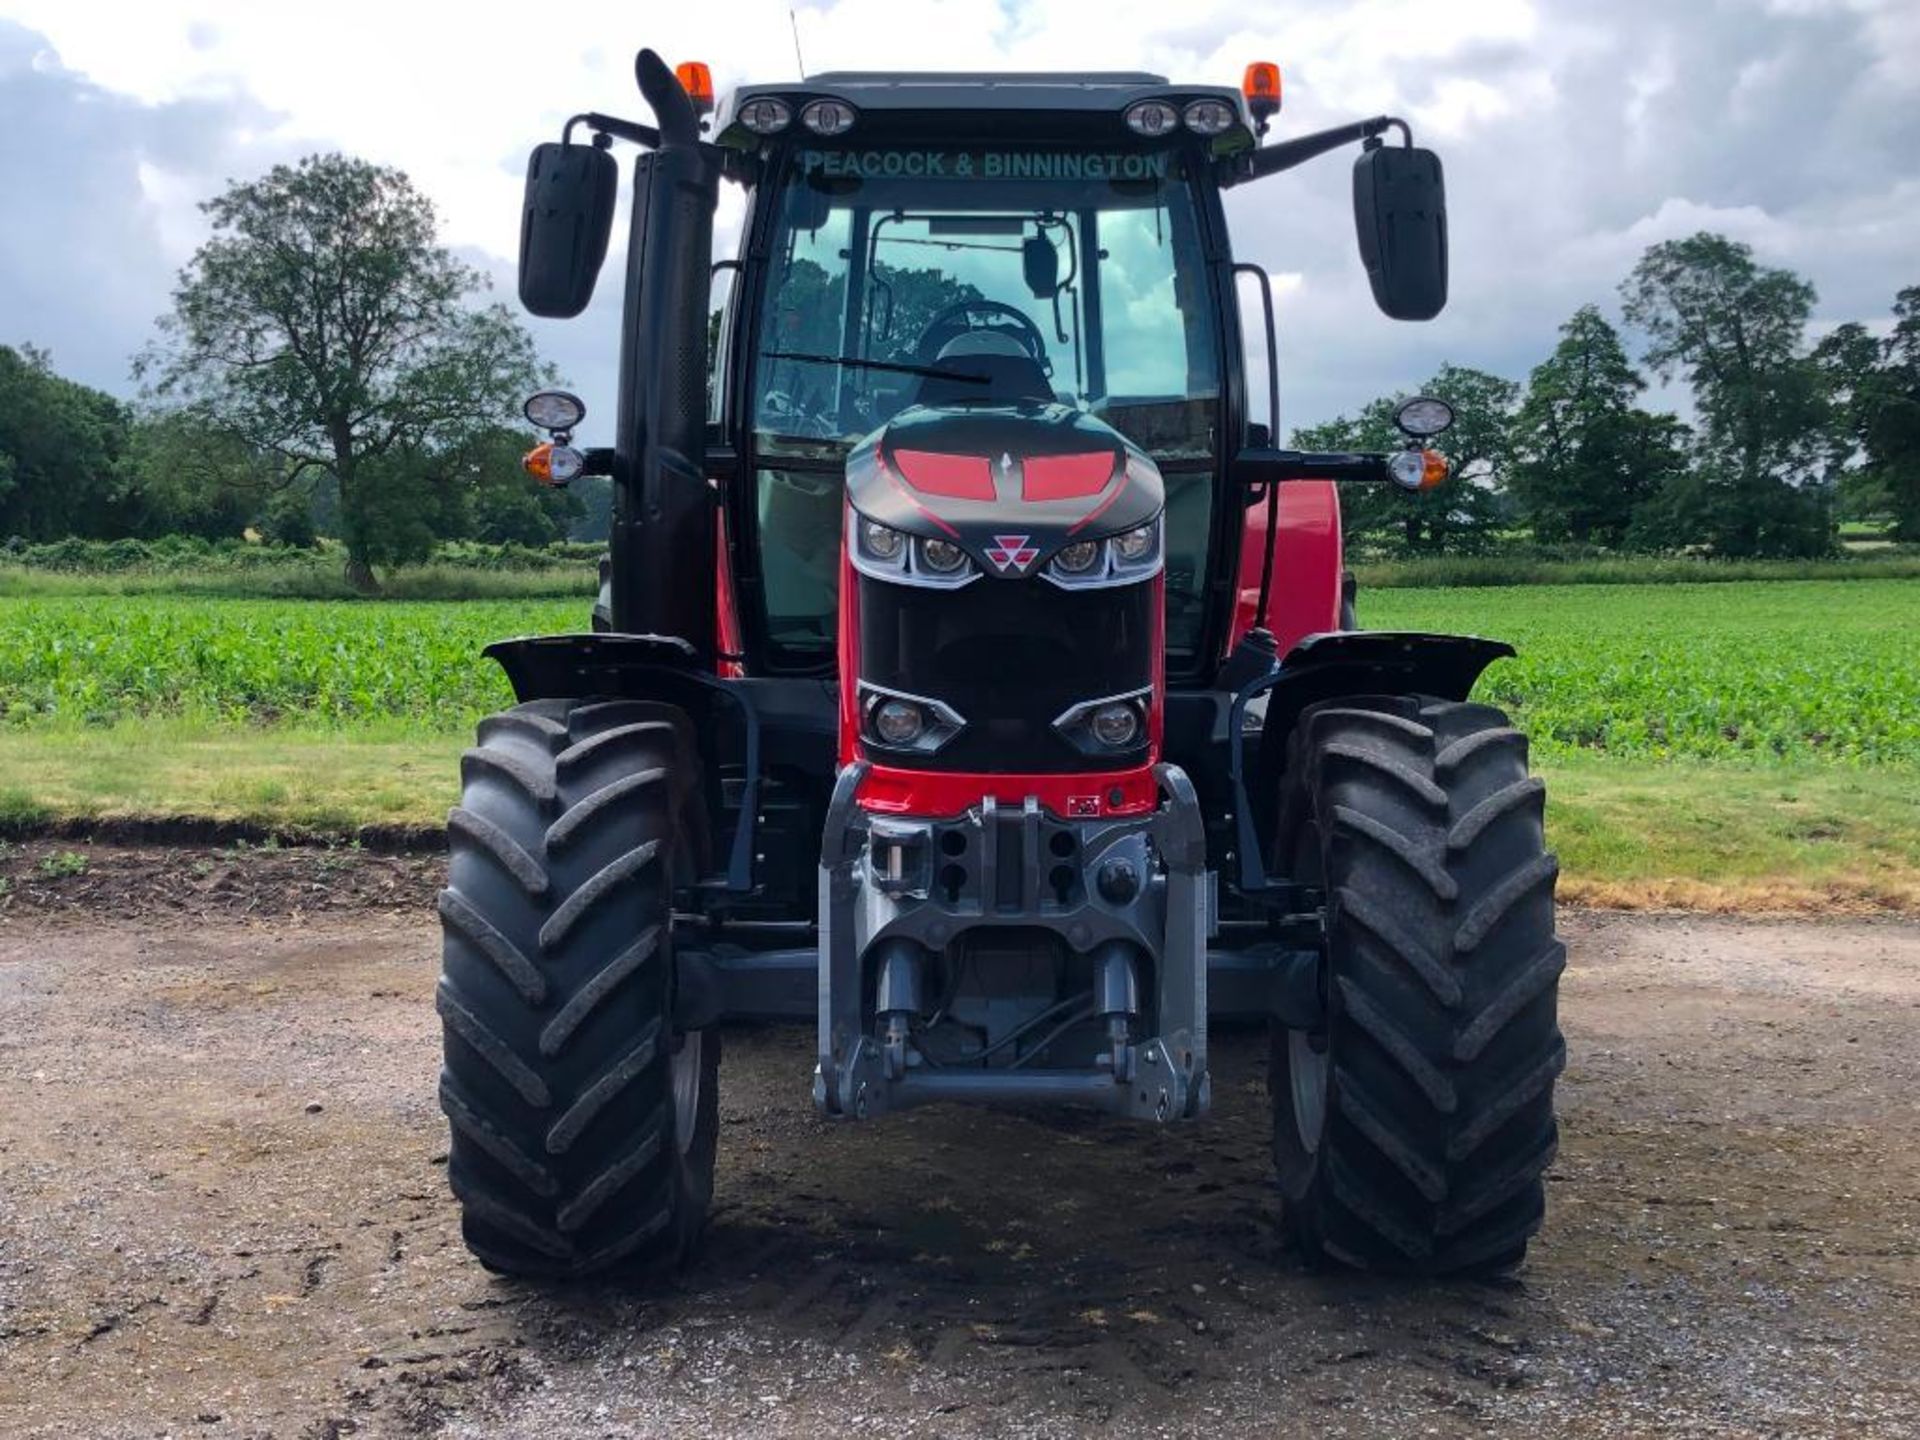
x,y
1088,263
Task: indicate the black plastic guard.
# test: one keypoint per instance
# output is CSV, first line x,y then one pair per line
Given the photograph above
x,y
1329,667
649,667
1372,662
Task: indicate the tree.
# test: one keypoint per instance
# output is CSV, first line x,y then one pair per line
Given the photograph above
x,y
1882,405
1586,457
1848,363
1464,514
1736,330
63,452
324,324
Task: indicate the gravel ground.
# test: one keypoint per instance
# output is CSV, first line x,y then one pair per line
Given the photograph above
x,y
223,1213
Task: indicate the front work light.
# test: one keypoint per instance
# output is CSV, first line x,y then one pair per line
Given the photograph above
x,y
766,115
1209,117
554,410
1152,118
828,117
1423,417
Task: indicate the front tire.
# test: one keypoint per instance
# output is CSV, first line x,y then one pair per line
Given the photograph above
x,y
584,1128
1413,1131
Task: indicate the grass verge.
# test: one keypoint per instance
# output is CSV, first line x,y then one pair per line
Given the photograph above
x,y
1697,835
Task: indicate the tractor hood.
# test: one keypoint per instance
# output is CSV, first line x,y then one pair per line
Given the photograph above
x,y
1010,483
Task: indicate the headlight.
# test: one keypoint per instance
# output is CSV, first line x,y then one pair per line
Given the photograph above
x,y
895,720
1123,559
881,542
1116,725
898,722
1135,545
1111,723
942,557
1152,118
1079,557
888,554
828,117
765,115
1209,117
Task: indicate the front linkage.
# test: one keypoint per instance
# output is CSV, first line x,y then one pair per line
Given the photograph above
x,y
1131,896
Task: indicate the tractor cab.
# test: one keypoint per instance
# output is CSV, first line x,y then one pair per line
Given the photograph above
x,y
995,267
974,677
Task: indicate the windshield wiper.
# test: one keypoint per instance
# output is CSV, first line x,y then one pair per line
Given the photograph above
x,y
897,365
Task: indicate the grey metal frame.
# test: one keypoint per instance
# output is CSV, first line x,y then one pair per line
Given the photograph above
x,y
1162,1078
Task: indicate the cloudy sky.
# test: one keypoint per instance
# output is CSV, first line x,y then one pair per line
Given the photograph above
x,y
1575,133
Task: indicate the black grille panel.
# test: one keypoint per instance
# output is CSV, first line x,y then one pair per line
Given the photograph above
x,y
1009,656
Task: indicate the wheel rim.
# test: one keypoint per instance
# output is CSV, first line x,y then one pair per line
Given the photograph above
x,y
1307,1079
686,1071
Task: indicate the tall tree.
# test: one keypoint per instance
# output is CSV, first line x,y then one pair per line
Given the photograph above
x,y
1887,406
1461,516
1848,362
1736,330
1586,456
325,324
63,452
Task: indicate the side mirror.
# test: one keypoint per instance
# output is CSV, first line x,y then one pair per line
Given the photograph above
x,y
564,227
1041,262
1400,216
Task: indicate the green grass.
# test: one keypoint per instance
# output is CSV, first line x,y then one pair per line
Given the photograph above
x,y
1694,834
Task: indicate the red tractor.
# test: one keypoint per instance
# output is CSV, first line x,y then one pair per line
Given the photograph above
x,y
973,674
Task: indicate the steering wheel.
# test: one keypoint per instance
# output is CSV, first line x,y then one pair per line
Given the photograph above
x,y
957,320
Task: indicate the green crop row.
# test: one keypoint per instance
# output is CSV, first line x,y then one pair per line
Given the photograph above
x,y
97,660
1781,669
1727,670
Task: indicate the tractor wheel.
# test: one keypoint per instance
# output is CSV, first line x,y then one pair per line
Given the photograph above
x,y
583,1126
1413,1131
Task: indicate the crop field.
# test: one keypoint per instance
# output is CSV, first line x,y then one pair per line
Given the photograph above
x,y
1813,669
1788,669
98,660
1724,745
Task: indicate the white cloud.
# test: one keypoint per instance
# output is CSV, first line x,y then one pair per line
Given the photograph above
x,y
1573,136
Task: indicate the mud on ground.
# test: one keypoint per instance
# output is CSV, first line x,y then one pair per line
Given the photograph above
x,y
223,1212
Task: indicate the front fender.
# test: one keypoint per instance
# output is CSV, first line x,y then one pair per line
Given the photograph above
x,y
1372,662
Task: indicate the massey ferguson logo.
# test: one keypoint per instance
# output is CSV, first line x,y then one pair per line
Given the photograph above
x,y
1012,552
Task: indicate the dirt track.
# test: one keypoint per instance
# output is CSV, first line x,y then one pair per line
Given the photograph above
x,y
222,1212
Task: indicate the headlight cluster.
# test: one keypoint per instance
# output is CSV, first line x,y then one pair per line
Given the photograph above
x,y
769,115
888,554
1107,726
1118,560
896,720
1152,119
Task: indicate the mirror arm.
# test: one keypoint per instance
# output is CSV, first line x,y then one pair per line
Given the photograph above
x,y
1267,467
1272,159
630,130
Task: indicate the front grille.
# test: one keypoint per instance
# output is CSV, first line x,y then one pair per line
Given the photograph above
x,y
1009,656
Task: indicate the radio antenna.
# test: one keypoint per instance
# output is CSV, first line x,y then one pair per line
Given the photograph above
x,y
794,20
